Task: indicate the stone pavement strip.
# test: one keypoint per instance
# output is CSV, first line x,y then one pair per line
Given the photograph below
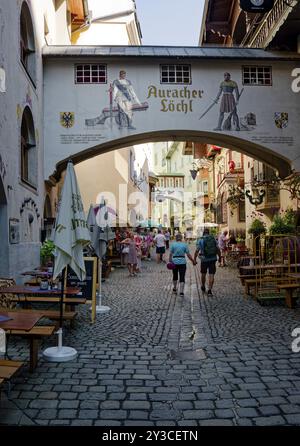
x,y
160,359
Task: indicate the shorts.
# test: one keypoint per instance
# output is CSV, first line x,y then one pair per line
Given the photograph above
x,y
160,250
210,266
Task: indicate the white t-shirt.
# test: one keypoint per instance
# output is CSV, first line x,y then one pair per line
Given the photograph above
x,y
160,240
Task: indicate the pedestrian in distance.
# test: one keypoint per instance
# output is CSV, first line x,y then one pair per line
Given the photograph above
x,y
138,244
167,235
160,243
223,240
208,250
178,252
131,255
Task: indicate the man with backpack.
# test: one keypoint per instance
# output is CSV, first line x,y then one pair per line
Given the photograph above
x,y
208,248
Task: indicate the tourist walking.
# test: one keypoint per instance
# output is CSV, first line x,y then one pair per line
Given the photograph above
x,y
160,243
208,249
138,244
167,235
131,255
178,252
148,242
223,240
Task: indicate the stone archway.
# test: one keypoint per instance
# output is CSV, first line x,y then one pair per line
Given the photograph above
x,y
256,151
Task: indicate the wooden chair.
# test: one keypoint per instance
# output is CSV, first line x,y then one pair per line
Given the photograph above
x,y
7,370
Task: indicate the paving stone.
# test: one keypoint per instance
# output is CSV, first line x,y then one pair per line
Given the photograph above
x,y
88,414
270,421
224,404
83,423
224,413
216,422
136,405
43,404
68,404
293,419
113,414
67,414
247,402
198,414
47,414
246,412
290,408
206,404
269,410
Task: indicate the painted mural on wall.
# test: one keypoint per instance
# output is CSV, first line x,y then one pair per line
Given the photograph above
x,y
230,96
123,102
253,102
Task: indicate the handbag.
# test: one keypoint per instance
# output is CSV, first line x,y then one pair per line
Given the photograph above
x,y
125,250
171,265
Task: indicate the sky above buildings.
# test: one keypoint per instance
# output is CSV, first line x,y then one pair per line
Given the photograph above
x,y
170,22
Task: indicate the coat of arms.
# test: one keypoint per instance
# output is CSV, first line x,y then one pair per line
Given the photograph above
x,y
281,120
67,119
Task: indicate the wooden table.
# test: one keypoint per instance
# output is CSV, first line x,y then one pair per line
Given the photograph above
x,y
270,266
34,294
35,290
19,320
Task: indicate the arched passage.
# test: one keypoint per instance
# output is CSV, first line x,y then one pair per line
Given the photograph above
x,y
256,151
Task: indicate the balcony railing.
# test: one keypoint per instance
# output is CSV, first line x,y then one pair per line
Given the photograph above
x,y
271,23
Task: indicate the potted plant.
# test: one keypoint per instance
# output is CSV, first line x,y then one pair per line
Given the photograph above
x,y
47,253
283,225
240,241
257,228
289,244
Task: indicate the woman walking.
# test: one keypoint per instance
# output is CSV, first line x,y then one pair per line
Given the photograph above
x,y
178,251
138,244
132,254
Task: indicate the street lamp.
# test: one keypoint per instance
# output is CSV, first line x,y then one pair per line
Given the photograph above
x,y
202,163
257,195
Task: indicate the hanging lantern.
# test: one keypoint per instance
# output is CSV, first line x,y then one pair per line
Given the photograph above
x,y
194,173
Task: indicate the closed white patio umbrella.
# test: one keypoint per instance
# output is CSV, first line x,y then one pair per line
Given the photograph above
x,y
70,236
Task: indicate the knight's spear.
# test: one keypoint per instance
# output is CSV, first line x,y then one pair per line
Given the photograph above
x,y
207,110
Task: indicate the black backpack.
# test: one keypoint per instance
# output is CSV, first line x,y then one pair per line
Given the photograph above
x,y
210,246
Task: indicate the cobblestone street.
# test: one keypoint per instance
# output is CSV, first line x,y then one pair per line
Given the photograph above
x,y
157,359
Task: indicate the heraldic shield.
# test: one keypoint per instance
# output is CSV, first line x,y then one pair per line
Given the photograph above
x,y
281,120
67,119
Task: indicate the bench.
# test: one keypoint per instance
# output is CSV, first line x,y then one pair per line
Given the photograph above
x,y
243,277
33,335
7,369
248,283
289,288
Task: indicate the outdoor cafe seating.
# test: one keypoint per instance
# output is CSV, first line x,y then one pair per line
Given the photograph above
x,y
275,272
